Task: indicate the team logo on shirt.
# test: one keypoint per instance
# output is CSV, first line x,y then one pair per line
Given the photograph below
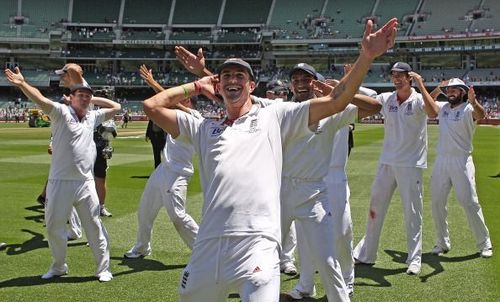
x,y
409,109
253,126
393,108
457,116
215,131
446,113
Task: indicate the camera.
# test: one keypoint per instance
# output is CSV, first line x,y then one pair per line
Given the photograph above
x,y
107,152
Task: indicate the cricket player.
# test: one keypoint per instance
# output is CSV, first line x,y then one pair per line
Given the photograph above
x,y
304,192
403,158
167,186
71,180
240,166
454,166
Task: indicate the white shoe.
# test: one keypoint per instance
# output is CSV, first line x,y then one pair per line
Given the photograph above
x,y
105,276
104,212
288,269
486,252
54,274
133,254
437,250
298,295
350,289
413,269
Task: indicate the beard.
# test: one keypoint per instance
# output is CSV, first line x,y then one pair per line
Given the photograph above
x,y
453,100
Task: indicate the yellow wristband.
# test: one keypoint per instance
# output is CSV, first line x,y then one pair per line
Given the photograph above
x,y
186,92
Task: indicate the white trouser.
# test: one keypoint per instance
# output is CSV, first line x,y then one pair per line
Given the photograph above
x,y
307,203
288,246
248,264
63,195
164,188
75,225
457,171
409,182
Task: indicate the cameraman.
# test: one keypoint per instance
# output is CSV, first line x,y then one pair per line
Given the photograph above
x,y
102,138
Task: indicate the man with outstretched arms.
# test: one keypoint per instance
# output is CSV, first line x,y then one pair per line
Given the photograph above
x,y
304,193
454,165
71,181
403,158
240,166
167,186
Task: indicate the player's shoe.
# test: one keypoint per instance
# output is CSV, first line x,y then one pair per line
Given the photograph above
x,y
437,250
41,200
298,295
288,268
54,274
486,252
105,276
104,212
133,254
3,245
413,269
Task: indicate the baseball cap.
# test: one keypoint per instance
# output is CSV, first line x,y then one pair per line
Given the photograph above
x,y
306,68
401,67
62,70
456,82
276,86
320,77
238,62
83,86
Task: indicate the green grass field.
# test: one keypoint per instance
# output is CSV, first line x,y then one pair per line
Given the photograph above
x,y
460,275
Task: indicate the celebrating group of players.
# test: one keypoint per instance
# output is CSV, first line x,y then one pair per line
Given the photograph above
x,y
268,171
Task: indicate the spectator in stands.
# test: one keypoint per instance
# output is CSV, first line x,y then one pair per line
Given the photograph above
x,y
125,119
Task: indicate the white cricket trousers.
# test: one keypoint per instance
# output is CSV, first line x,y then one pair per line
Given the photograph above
x,y
456,171
248,264
409,182
306,202
288,246
62,196
164,188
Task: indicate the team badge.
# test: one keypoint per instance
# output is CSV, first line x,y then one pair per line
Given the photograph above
x,y
409,109
393,108
253,126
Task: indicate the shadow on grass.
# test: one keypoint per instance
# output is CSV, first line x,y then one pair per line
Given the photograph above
x,y
37,209
36,242
435,261
139,176
142,265
37,280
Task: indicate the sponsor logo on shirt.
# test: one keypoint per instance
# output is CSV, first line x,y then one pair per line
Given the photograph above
x,y
393,108
215,131
253,126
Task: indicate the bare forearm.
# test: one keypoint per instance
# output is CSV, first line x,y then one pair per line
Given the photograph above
x,y
36,96
105,103
479,112
170,98
155,85
431,108
367,105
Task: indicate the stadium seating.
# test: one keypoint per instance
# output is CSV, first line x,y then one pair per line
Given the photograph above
x,y
8,9
39,14
388,9
155,12
347,16
489,21
246,12
197,12
95,11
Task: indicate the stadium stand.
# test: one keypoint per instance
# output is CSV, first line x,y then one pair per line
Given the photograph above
x,y
257,12
95,11
485,18
156,12
401,9
348,16
37,13
293,23
197,12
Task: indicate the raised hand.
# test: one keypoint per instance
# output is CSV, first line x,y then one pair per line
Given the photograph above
x,y
377,43
209,87
146,73
321,89
193,63
471,95
14,77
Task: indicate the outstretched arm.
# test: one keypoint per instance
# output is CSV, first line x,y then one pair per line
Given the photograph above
x,y
17,79
479,112
430,106
366,105
372,46
193,63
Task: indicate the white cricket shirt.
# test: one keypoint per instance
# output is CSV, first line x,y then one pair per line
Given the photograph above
x,y
405,130
178,155
340,149
73,147
309,157
456,128
240,167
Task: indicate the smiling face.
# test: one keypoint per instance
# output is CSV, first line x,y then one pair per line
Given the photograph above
x,y
301,85
235,85
455,95
80,101
401,80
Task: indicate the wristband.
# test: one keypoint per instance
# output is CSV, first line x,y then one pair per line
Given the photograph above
x,y
186,92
